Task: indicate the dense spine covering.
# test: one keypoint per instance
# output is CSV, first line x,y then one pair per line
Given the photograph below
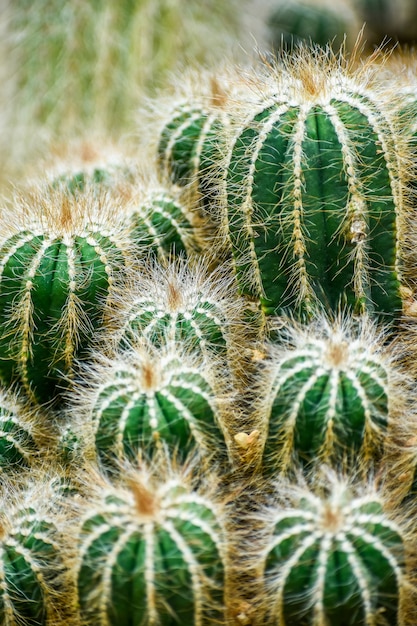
x,y
144,400
335,559
330,393
59,260
313,192
31,562
151,554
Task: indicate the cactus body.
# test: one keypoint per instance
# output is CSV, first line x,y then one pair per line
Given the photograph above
x,y
165,224
190,146
151,556
55,275
313,194
30,565
335,560
294,22
142,401
19,434
331,394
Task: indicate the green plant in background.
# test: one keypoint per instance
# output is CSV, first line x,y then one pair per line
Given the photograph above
x,y
150,552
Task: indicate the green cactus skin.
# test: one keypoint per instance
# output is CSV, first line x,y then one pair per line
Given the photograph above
x,y
330,396
143,400
294,22
335,560
165,223
313,193
151,555
179,303
31,565
20,435
190,146
55,276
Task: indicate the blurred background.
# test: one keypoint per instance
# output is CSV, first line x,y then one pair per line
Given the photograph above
x,y
70,68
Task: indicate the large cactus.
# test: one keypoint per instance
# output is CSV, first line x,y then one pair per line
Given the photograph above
x,y
330,392
143,400
335,558
32,575
150,553
59,259
313,191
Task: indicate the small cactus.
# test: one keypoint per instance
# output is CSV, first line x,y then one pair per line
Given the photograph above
x,y
178,302
59,260
33,589
150,553
314,191
145,400
335,558
333,389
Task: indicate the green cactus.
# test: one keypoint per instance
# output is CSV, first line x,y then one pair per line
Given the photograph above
x,y
329,392
313,191
145,400
32,574
179,302
151,554
335,559
293,22
59,260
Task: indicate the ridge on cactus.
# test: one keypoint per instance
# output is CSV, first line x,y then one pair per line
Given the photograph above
x,y
330,392
146,400
60,257
150,551
313,196
179,301
22,433
34,587
334,556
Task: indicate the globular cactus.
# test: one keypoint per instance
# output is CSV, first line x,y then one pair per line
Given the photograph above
x,y
179,302
150,552
334,556
330,392
34,589
322,23
59,260
313,190
145,400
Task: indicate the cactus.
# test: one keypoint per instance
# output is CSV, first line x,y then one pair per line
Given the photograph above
x,y
335,558
178,302
330,392
59,260
313,191
150,553
145,400
32,575
291,23
22,436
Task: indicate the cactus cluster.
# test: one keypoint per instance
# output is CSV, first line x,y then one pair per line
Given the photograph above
x,y
207,362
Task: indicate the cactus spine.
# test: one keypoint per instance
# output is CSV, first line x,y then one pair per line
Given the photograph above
x,y
335,559
313,192
333,391
151,554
